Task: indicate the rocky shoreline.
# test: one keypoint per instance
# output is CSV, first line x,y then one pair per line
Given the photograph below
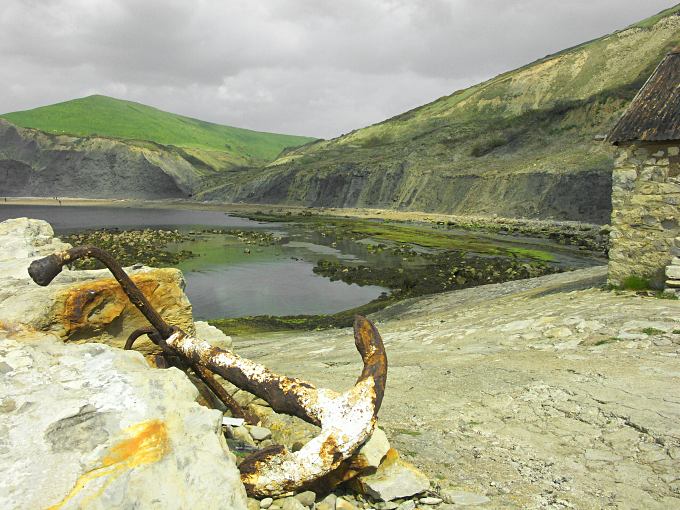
x,y
548,392
596,233
112,425
543,393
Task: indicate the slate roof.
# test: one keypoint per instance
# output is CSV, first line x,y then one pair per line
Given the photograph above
x,y
654,113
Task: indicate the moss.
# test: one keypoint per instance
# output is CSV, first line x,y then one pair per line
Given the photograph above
x,y
610,340
652,331
407,432
635,282
541,255
128,247
246,326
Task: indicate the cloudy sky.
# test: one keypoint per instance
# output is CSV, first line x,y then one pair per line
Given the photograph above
x,y
312,67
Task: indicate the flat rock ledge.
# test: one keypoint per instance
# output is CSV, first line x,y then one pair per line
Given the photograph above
x,y
90,426
545,393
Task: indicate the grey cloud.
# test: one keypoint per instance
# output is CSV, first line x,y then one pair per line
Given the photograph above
x,y
317,67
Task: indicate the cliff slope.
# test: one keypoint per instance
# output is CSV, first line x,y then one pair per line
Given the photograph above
x,y
526,143
101,147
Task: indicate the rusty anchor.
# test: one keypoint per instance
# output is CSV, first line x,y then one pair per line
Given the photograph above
x,y
346,419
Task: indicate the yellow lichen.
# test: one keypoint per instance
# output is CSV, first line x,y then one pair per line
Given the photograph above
x,y
146,443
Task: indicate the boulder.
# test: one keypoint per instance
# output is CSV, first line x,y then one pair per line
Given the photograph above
x,y
213,336
395,478
92,426
80,305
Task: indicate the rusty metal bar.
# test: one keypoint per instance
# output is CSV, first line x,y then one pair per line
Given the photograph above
x,y
136,334
203,374
229,401
347,420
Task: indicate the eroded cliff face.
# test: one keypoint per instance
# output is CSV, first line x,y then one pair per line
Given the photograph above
x,y
580,195
526,143
33,163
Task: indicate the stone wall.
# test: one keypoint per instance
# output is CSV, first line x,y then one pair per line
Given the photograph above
x,y
646,212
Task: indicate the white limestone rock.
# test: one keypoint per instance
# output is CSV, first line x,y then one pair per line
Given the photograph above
x,y
92,426
673,272
395,478
213,336
372,453
259,433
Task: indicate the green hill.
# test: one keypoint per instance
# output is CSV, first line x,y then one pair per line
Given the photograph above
x,y
114,118
525,143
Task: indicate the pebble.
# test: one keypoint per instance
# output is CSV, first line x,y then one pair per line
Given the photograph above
x,y
430,501
266,503
407,505
328,501
259,433
242,434
292,504
386,505
463,498
343,504
307,498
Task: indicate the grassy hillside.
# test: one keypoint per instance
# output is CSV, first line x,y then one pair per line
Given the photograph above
x,y
461,153
115,118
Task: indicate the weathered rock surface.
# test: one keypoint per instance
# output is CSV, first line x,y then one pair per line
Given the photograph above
x,y
38,164
393,479
212,335
372,453
485,402
96,427
79,305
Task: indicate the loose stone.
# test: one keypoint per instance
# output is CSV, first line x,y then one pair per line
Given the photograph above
x,y
395,478
343,504
259,433
307,498
292,504
463,498
430,501
266,503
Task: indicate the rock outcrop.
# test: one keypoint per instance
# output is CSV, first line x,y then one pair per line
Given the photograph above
x,y
79,305
93,426
83,424
33,163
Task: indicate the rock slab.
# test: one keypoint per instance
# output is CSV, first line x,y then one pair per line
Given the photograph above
x,y
395,478
92,426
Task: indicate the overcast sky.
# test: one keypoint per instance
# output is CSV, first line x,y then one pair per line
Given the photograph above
x,y
312,67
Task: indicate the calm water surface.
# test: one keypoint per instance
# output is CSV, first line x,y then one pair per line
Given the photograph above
x,y
224,281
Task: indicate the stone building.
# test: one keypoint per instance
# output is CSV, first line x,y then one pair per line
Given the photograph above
x,y
645,237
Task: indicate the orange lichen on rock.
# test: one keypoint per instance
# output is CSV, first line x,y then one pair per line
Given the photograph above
x,y
147,443
101,307
98,303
